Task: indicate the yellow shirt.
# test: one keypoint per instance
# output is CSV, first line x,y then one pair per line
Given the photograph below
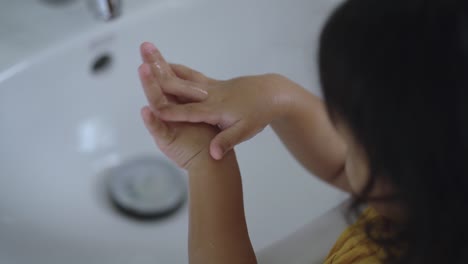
x,y
353,246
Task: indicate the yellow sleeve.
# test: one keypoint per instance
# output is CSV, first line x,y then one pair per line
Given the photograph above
x,y
353,246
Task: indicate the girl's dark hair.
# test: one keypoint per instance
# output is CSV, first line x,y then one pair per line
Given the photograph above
x,y
396,73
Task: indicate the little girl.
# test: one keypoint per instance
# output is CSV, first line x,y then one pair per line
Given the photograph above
x,y
392,130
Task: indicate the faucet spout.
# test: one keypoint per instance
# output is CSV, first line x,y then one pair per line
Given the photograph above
x,y
106,9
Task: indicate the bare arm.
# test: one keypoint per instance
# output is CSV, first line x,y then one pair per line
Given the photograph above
x,y
306,130
218,231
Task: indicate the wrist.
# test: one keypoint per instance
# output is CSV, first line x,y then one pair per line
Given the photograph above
x,y
204,160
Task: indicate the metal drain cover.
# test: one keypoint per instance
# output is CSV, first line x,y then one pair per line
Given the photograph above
x,y
146,188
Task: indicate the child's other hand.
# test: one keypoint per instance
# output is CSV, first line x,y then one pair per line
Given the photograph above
x,y
181,142
241,107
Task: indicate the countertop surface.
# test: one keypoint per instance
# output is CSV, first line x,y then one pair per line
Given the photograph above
x,y
28,28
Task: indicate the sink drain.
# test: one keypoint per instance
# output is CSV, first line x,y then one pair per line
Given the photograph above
x,y
146,188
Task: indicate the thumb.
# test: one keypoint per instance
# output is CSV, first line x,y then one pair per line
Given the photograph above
x,y
158,129
227,139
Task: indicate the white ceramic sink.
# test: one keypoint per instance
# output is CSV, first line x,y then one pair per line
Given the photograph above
x,y
62,126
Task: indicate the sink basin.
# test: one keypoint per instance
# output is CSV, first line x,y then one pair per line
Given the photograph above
x,y
71,113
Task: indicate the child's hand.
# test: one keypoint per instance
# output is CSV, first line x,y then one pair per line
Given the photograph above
x,y
181,142
242,107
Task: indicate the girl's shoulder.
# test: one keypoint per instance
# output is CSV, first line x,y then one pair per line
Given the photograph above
x,y
354,246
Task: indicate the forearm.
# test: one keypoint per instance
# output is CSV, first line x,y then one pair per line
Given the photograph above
x,y
218,230
309,135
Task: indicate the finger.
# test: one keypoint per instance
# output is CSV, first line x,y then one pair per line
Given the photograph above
x,y
189,74
227,139
193,113
151,55
151,87
157,128
186,90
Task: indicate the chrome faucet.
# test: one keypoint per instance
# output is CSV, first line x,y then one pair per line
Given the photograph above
x,y
106,9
